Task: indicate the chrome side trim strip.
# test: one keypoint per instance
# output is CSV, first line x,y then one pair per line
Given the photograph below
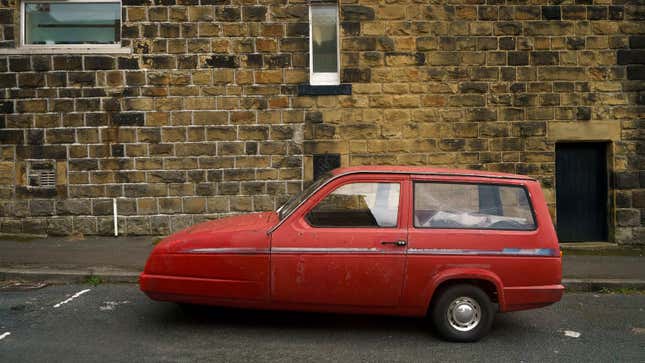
x,y
473,252
227,250
531,252
292,250
335,250
547,252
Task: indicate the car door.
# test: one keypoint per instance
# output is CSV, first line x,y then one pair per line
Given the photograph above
x,y
345,246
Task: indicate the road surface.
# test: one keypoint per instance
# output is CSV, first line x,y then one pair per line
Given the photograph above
x,y
117,323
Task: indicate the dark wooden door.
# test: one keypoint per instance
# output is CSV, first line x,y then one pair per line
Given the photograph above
x,y
581,192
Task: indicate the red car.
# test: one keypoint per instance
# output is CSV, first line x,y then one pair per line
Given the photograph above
x,y
454,245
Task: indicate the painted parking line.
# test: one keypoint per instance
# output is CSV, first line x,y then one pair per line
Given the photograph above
x,y
71,298
4,335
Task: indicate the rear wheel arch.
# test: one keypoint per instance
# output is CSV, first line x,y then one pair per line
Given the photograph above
x,y
491,285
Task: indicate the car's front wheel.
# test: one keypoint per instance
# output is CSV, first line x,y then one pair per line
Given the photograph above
x,y
463,313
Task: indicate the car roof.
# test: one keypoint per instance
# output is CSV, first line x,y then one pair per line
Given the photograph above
x,y
421,170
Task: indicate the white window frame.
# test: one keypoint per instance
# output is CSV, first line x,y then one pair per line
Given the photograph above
x,y
65,48
324,78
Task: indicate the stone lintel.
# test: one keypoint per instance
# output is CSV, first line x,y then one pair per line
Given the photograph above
x,y
584,131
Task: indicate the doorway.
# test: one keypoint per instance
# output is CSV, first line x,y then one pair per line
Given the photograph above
x,y
581,191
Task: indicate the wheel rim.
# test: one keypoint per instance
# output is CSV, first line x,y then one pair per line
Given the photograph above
x,y
464,314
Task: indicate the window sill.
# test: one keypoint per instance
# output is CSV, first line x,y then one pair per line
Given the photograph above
x,y
66,50
309,90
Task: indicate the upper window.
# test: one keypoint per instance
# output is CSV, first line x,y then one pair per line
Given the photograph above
x,y
323,45
71,22
478,206
358,205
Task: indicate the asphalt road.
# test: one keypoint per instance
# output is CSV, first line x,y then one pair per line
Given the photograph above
x,y
117,323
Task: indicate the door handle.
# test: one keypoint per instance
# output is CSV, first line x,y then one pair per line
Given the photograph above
x,y
399,243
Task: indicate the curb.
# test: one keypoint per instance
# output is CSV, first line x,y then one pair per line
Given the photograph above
x,y
58,276
72,276
594,285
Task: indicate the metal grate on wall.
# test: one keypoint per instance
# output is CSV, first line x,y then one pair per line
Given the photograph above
x,y
41,174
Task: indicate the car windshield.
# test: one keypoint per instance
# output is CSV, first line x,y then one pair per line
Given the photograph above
x,y
296,199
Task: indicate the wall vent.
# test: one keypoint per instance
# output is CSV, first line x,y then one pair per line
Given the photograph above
x,y
41,174
324,163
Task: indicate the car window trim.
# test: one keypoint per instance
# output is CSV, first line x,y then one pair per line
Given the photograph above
x,y
398,213
394,172
522,186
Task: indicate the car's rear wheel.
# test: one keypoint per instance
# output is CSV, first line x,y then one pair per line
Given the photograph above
x,y
462,313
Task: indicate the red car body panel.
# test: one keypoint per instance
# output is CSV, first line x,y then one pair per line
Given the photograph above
x,y
226,258
258,261
330,266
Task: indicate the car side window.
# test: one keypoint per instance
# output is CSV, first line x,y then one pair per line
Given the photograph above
x,y
358,205
472,206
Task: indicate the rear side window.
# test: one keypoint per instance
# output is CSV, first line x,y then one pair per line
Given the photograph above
x,y
358,205
472,206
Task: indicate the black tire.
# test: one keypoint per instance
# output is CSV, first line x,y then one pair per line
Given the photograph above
x,y
469,294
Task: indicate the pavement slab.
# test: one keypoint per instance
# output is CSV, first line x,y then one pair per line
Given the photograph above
x,y
127,253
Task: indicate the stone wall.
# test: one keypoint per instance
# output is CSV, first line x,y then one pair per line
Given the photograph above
x,y
203,119
197,123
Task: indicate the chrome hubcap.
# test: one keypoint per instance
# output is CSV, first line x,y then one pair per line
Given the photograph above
x,y
464,313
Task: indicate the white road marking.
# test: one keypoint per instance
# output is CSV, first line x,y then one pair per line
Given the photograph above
x,y
71,298
572,334
4,335
110,305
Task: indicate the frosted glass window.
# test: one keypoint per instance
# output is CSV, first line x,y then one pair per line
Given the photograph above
x,y
52,23
324,44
